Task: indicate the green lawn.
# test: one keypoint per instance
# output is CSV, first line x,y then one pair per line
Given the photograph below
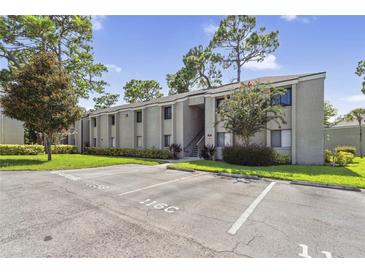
x,y
65,161
352,175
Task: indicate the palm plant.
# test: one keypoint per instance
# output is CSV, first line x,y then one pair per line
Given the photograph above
x,y
357,114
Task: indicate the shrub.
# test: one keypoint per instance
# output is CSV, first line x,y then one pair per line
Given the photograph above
x,y
281,159
207,152
349,149
64,149
175,149
21,149
130,152
338,158
253,155
328,156
344,158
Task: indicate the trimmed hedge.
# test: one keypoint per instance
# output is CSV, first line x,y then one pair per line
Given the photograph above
x,y
21,149
153,153
253,155
349,149
36,149
64,149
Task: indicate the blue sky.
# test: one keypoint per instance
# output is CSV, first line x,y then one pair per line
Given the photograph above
x,y
149,47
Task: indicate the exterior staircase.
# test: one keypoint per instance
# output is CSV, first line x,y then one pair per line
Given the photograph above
x,y
193,148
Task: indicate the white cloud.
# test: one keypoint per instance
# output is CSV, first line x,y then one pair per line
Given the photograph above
x,y
355,98
289,17
114,68
303,19
268,63
210,29
97,21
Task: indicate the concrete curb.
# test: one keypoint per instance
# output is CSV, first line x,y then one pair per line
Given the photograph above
x,y
180,169
232,175
323,185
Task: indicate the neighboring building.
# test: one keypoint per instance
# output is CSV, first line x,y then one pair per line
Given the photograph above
x,y
11,131
190,119
345,133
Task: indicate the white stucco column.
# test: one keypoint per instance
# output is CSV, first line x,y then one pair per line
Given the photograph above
x,y
161,120
144,128
173,124
117,129
293,124
133,129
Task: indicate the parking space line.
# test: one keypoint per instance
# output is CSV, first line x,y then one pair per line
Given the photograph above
x,y
67,176
242,219
160,184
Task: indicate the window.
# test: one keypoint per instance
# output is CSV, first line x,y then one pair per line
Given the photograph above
x,y
224,139
167,140
94,142
220,139
139,116
94,122
281,138
139,141
112,142
219,102
286,138
167,113
112,120
283,99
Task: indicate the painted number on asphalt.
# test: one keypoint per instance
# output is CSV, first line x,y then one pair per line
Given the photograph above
x,y
161,206
305,254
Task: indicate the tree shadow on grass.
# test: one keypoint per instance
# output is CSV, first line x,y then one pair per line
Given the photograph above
x,y
20,162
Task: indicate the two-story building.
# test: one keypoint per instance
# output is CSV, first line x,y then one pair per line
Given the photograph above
x,y
190,119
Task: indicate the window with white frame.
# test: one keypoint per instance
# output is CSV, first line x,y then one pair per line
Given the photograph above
x,y
94,142
167,113
139,141
224,139
281,138
167,140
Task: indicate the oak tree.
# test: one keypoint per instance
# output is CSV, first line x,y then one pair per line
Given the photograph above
x,y
41,94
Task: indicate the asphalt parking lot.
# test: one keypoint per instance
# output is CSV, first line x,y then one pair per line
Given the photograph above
x,y
149,211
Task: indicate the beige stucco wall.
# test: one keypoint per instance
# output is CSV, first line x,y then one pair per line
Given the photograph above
x,y
309,122
126,129
11,130
152,127
341,136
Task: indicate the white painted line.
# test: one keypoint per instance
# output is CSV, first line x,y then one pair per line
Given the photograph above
x,y
242,219
304,253
67,176
160,184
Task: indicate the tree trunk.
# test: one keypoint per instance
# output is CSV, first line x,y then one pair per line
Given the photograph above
x,y
49,151
238,71
246,141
